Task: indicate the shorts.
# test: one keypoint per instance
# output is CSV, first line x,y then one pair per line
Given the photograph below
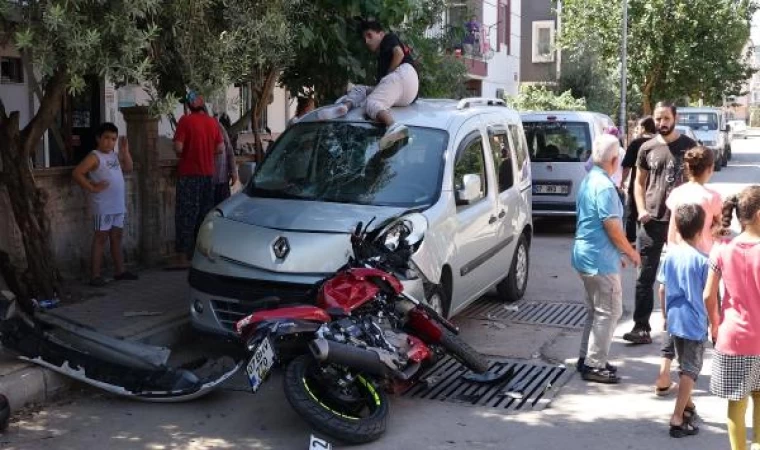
x,y
105,222
690,355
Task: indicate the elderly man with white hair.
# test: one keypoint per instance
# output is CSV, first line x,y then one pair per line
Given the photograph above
x,y
599,250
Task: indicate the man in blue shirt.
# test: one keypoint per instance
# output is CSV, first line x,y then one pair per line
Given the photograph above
x,y
599,242
683,276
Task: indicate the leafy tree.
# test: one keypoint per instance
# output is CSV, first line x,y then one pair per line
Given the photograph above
x,y
540,98
676,48
330,52
584,77
67,41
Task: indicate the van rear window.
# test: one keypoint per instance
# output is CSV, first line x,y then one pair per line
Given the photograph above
x,y
558,141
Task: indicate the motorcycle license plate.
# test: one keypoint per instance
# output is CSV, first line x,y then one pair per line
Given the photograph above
x,y
260,364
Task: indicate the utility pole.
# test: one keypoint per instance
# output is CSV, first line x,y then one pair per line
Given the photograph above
x,y
624,73
558,50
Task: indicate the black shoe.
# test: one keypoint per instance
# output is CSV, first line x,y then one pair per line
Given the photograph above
x,y
126,276
638,336
98,282
582,367
600,376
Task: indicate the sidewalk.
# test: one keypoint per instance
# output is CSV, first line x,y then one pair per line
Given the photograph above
x,y
152,310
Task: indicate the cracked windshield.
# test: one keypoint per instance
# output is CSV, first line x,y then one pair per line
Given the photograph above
x,y
558,141
341,162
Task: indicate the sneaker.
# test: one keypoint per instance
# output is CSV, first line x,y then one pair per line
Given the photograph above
x,y
126,276
395,133
582,367
600,376
98,282
638,336
332,112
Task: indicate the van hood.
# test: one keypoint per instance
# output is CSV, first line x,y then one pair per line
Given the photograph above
x,y
303,215
707,136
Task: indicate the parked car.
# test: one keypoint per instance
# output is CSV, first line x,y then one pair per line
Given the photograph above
x,y
737,129
465,167
560,144
709,125
688,132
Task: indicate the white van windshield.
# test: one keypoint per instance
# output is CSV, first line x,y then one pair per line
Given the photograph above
x,y
558,141
699,121
341,162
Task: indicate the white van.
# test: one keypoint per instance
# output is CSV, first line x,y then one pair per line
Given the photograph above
x,y
709,124
560,144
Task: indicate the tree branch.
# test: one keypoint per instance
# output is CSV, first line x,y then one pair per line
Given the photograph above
x,y
49,106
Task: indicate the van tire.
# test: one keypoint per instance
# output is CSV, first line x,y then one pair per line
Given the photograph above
x,y
512,288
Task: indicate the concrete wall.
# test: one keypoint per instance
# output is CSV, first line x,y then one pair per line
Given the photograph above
x,y
504,67
530,72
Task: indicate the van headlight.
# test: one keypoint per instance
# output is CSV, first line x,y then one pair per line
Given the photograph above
x,y
411,229
205,241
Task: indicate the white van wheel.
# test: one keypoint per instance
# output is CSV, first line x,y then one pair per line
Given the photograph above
x,y
512,288
435,297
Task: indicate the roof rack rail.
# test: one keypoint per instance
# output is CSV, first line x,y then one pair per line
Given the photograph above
x,y
480,101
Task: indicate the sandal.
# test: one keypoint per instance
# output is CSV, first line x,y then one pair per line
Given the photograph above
x,y
664,392
687,428
690,413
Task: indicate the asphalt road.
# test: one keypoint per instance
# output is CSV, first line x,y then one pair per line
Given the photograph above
x,y
581,416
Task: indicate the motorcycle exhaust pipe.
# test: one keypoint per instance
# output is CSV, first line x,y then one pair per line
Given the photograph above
x,y
349,356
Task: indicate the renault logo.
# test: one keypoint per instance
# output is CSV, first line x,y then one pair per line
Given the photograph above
x,y
281,247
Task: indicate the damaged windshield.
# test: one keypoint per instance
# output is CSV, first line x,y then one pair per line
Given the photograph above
x,y
341,162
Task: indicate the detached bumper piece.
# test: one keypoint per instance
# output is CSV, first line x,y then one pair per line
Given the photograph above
x,y
120,367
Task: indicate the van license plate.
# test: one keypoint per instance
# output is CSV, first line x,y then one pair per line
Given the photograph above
x,y
551,189
260,364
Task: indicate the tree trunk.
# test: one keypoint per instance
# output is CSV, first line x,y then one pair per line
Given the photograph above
x,y
41,278
261,92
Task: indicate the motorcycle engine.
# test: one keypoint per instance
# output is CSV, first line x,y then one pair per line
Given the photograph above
x,y
371,332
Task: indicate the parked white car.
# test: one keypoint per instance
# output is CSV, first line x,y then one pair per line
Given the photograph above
x,y
465,169
559,143
737,129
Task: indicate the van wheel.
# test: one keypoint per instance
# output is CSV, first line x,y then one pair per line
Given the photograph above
x,y
726,157
512,288
718,163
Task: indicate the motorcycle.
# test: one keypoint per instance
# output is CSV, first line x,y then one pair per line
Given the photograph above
x,y
364,338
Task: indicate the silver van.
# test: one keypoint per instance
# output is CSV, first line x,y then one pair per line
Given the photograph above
x,y
559,143
464,170
710,126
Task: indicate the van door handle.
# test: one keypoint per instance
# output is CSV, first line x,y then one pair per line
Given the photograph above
x,y
492,220
502,214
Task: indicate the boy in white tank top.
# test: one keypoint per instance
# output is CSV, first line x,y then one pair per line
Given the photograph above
x,y
101,174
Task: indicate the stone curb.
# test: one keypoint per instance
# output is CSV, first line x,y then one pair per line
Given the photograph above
x,y
26,384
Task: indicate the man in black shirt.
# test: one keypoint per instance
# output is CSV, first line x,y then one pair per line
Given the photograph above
x,y
397,84
659,171
645,131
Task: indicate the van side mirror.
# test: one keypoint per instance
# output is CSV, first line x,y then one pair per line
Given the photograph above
x,y
471,190
245,172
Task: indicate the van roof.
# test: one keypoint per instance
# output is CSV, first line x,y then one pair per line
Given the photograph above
x,y
431,113
564,115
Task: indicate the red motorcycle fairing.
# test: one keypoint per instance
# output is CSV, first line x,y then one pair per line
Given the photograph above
x,y
301,312
427,328
352,288
419,351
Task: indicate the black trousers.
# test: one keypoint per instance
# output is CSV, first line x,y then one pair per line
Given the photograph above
x,y
652,237
632,218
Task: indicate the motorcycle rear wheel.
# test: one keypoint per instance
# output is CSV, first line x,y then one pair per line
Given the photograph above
x,y
355,414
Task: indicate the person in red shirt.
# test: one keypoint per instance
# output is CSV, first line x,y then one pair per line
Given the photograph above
x,y
196,142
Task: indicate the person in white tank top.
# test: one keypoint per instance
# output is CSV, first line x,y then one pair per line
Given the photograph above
x,y
101,174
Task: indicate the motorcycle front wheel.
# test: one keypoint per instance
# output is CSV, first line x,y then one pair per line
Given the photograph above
x,y
354,412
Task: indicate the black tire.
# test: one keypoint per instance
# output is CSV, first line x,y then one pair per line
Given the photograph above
x,y
512,288
462,352
431,292
5,412
317,413
726,157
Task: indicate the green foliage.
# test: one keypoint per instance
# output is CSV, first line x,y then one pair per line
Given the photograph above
x,y
676,48
330,52
84,37
585,78
540,98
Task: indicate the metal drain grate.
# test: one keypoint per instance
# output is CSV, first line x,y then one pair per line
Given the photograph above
x,y
524,386
567,315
